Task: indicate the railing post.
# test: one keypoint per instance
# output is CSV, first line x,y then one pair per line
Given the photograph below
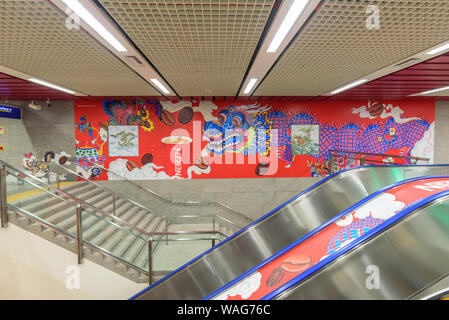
x,y
213,240
79,233
150,261
48,178
166,230
3,197
58,183
331,164
113,204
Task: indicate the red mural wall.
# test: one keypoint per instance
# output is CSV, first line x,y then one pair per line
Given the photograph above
x,y
242,139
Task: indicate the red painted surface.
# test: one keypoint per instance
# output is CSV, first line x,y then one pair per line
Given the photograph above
x,y
91,117
424,76
316,248
12,88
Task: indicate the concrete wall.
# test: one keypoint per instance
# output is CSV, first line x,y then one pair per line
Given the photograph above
x,y
442,132
53,129
34,268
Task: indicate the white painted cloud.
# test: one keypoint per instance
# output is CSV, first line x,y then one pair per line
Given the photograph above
x,y
425,147
197,170
345,221
206,108
388,111
244,288
382,207
146,172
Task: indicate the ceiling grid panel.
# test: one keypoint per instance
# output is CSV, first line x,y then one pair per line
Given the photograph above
x,y
35,40
336,47
201,47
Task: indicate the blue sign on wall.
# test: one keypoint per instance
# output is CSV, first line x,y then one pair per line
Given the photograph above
x,y
10,112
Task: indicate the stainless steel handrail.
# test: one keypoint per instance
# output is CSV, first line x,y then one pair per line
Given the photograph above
x,y
57,230
335,154
209,216
142,206
77,200
380,154
81,203
188,203
104,188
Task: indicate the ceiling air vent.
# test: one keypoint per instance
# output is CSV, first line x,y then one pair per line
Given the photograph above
x,y
134,60
408,61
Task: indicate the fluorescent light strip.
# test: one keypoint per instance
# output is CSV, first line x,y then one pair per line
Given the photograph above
x,y
82,12
349,86
51,85
439,49
434,90
292,15
250,85
160,85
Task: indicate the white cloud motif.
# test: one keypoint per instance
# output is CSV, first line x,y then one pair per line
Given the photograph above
x,y
382,207
146,172
424,148
345,221
244,288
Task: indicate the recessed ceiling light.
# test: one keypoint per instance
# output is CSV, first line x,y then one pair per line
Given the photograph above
x,y
349,86
250,85
51,85
434,90
82,12
293,13
160,85
439,49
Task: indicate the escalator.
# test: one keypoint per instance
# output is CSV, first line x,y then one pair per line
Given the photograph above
x,y
212,272
393,246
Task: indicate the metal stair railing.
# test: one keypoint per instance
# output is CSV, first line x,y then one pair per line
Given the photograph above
x,y
337,156
234,213
80,205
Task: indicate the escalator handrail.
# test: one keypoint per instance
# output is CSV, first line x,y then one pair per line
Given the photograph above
x,y
373,232
274,211
310,234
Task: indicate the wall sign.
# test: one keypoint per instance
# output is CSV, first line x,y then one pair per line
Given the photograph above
x,y
10,112
2,130
152,139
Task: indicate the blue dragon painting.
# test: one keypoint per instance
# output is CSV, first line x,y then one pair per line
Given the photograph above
x,y
251,131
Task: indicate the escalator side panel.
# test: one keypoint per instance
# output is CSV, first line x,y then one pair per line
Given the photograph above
x,y
285,224
420,258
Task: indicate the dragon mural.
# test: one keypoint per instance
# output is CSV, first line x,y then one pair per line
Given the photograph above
x,y
249,136
249,130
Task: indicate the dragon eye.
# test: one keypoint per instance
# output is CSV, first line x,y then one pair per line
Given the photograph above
x,y
221,118
237,122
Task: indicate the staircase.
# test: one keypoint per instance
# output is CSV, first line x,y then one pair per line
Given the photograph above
x,y
121,247
60,214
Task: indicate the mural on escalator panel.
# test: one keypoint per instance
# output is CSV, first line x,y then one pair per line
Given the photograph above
x,y
151,139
